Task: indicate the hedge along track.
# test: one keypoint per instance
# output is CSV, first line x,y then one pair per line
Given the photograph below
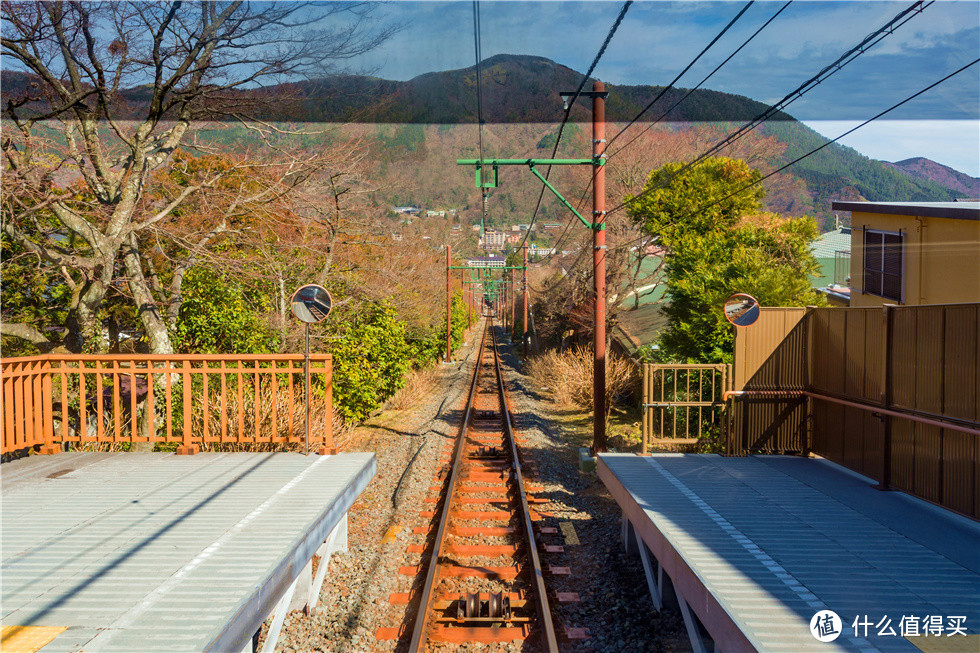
x,y
483,580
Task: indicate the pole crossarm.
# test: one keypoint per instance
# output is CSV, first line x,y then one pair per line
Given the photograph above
x,y
567,204
531,163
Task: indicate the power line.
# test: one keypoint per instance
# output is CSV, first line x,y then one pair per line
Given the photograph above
x,y
868,42
688,94
568,109
681,74
479,103
830,142
668,87
701,83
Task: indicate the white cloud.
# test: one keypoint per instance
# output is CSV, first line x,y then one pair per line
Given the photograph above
x,y
954,143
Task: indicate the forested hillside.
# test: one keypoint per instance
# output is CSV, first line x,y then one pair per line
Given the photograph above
x,y
922,168
521,99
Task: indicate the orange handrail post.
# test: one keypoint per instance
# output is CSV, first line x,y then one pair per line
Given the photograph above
x,y
47,407
188,447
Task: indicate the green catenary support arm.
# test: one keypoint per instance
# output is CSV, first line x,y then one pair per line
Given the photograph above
x,y
564,201
531,163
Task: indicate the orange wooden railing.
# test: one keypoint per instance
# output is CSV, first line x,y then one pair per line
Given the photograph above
x,y
194,401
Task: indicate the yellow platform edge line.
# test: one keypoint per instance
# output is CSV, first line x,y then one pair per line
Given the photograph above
x,y
28,639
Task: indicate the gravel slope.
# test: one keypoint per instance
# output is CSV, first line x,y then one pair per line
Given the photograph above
x,y
354,600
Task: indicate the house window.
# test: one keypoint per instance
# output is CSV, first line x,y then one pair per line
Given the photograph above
x,y
883,264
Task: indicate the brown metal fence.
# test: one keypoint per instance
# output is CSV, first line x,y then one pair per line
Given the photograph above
x,y
193,401
682,404
770,367
891,392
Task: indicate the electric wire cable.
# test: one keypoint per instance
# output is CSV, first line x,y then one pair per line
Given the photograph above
x,y
869,41
477,47
665,90
681,74
830,142
702,82
850,55
568,110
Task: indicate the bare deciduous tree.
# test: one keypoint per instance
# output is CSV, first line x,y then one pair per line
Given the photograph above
x,y
111,90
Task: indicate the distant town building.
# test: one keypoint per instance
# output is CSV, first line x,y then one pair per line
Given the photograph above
x,y
486,262
550,225
435,214
914,252
414,210
493,239
513,239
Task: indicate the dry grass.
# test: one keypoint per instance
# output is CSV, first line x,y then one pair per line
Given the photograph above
x,y
568,376
418,383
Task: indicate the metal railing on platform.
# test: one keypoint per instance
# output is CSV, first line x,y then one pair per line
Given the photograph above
x,y
891,392
683,403
191,401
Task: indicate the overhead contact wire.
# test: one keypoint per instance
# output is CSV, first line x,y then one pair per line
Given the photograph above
x,y
869,41
681,74
702,82
478,51
830,142
666,89
568,110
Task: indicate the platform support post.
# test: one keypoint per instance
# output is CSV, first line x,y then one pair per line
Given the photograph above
x,y
324,554
282,608
653,578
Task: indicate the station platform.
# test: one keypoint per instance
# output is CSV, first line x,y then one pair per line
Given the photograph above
x,y
157,552
754,547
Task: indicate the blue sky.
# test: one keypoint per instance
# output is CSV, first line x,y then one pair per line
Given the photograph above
x,y
657,39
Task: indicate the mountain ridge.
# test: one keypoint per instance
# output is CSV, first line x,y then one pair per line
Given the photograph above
x,y
920,167
525,89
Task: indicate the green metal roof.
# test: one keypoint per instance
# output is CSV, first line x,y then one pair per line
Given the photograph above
x,y
827,244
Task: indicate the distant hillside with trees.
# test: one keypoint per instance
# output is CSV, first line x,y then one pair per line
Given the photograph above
x,y
524,90
922,168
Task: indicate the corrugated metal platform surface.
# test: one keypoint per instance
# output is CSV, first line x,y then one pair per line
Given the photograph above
x,y
156,552
774,539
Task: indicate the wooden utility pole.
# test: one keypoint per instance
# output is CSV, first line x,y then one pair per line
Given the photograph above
x,y
513,302
449,308
524,324
599,260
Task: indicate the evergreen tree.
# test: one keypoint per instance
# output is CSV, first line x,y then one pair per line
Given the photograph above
x,y
719,243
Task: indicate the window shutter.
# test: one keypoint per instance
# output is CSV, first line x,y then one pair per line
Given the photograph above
x,y
891,267
872,262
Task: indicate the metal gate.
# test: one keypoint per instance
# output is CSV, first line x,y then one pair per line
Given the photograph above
x,y
683,404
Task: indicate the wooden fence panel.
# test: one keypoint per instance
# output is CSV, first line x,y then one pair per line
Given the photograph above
x,y
189,400
894,393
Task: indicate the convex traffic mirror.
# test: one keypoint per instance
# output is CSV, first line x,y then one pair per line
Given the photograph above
x,y
311,304
741,309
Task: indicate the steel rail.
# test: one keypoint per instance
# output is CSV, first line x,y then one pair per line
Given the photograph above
x,y
431,576
549,639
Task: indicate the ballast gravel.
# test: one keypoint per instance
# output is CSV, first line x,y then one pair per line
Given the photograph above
x,y
354,602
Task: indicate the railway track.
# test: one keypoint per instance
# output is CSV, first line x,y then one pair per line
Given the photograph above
x,y
481,578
